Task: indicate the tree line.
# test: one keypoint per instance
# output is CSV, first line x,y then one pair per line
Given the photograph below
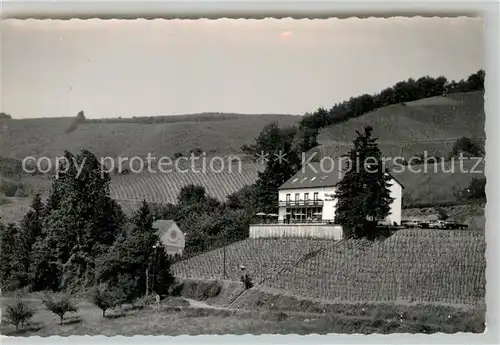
x,y
404,91
80,238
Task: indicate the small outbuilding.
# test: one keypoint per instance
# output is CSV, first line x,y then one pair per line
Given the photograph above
x,y
170,236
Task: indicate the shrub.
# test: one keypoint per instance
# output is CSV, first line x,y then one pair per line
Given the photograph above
x,y
59,305
477,188
18,313
442,214
468,147
9,189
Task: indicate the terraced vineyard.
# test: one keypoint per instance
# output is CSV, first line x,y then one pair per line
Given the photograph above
x,y
165,187
412,265
263,258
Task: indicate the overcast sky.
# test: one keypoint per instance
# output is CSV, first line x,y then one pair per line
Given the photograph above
x,y
146,68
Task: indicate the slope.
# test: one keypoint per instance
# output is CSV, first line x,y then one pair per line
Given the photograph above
x,y
412,265
263,258
414,126
50,137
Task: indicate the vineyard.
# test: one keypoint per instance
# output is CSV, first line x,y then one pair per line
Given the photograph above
x,y
165,187
412,265
263,258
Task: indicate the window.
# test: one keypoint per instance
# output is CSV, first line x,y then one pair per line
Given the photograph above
x,y
295,180
306,196
316,196
313,178
297,197
288,197
303,180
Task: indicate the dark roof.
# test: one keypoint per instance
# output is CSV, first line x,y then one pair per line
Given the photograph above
x,y
312,176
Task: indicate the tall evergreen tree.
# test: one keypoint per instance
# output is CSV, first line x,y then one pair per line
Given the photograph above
x,y
81,222
9,261
137,259
363,194
30,231
280,167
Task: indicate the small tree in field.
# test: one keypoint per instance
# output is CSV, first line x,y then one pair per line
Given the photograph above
x,y
363,194
59,305
104,299
18,313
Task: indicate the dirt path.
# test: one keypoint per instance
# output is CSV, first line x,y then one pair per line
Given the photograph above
x,y
198,304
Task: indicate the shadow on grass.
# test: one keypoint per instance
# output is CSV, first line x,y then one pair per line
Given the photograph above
x,y
23,331
134,307
72,320
115,316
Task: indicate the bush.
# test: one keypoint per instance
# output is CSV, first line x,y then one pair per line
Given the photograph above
x,y
468,147
18,313
442,214
59,305
9,189
477,189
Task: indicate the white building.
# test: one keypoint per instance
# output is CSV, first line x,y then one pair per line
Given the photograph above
x,y
307,206
170,236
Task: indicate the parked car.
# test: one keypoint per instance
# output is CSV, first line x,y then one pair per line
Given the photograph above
x,y
410,224
437,224
455,225
424,224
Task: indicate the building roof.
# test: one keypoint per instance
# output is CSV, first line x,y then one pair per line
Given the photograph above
x,y
162,225
312,176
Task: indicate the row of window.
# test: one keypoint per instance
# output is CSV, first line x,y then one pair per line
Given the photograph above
x,y
306,196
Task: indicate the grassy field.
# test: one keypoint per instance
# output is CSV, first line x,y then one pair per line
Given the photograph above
x,y
413,127
215,135
179,316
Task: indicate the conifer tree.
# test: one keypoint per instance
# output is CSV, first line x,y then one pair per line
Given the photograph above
x,y
137,259
363,194
9,261
30,231
81,222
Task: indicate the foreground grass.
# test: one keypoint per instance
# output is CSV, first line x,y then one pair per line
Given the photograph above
x,y
171,320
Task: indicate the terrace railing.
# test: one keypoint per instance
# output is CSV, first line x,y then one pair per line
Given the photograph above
x,y
299,203
292,221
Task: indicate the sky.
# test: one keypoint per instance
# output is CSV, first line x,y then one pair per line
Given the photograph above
x,y
112,68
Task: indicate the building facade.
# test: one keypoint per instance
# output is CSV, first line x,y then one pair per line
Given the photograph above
x,y
170,236
309,197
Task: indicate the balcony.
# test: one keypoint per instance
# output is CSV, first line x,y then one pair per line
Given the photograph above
x,y
300,203
293,221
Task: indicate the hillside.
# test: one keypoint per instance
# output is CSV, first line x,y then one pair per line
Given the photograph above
x,y
164,188
431,124
214,134
412,265
434,122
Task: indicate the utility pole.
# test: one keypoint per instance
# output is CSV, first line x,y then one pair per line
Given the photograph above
x,y
224,262
224,256
154,266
